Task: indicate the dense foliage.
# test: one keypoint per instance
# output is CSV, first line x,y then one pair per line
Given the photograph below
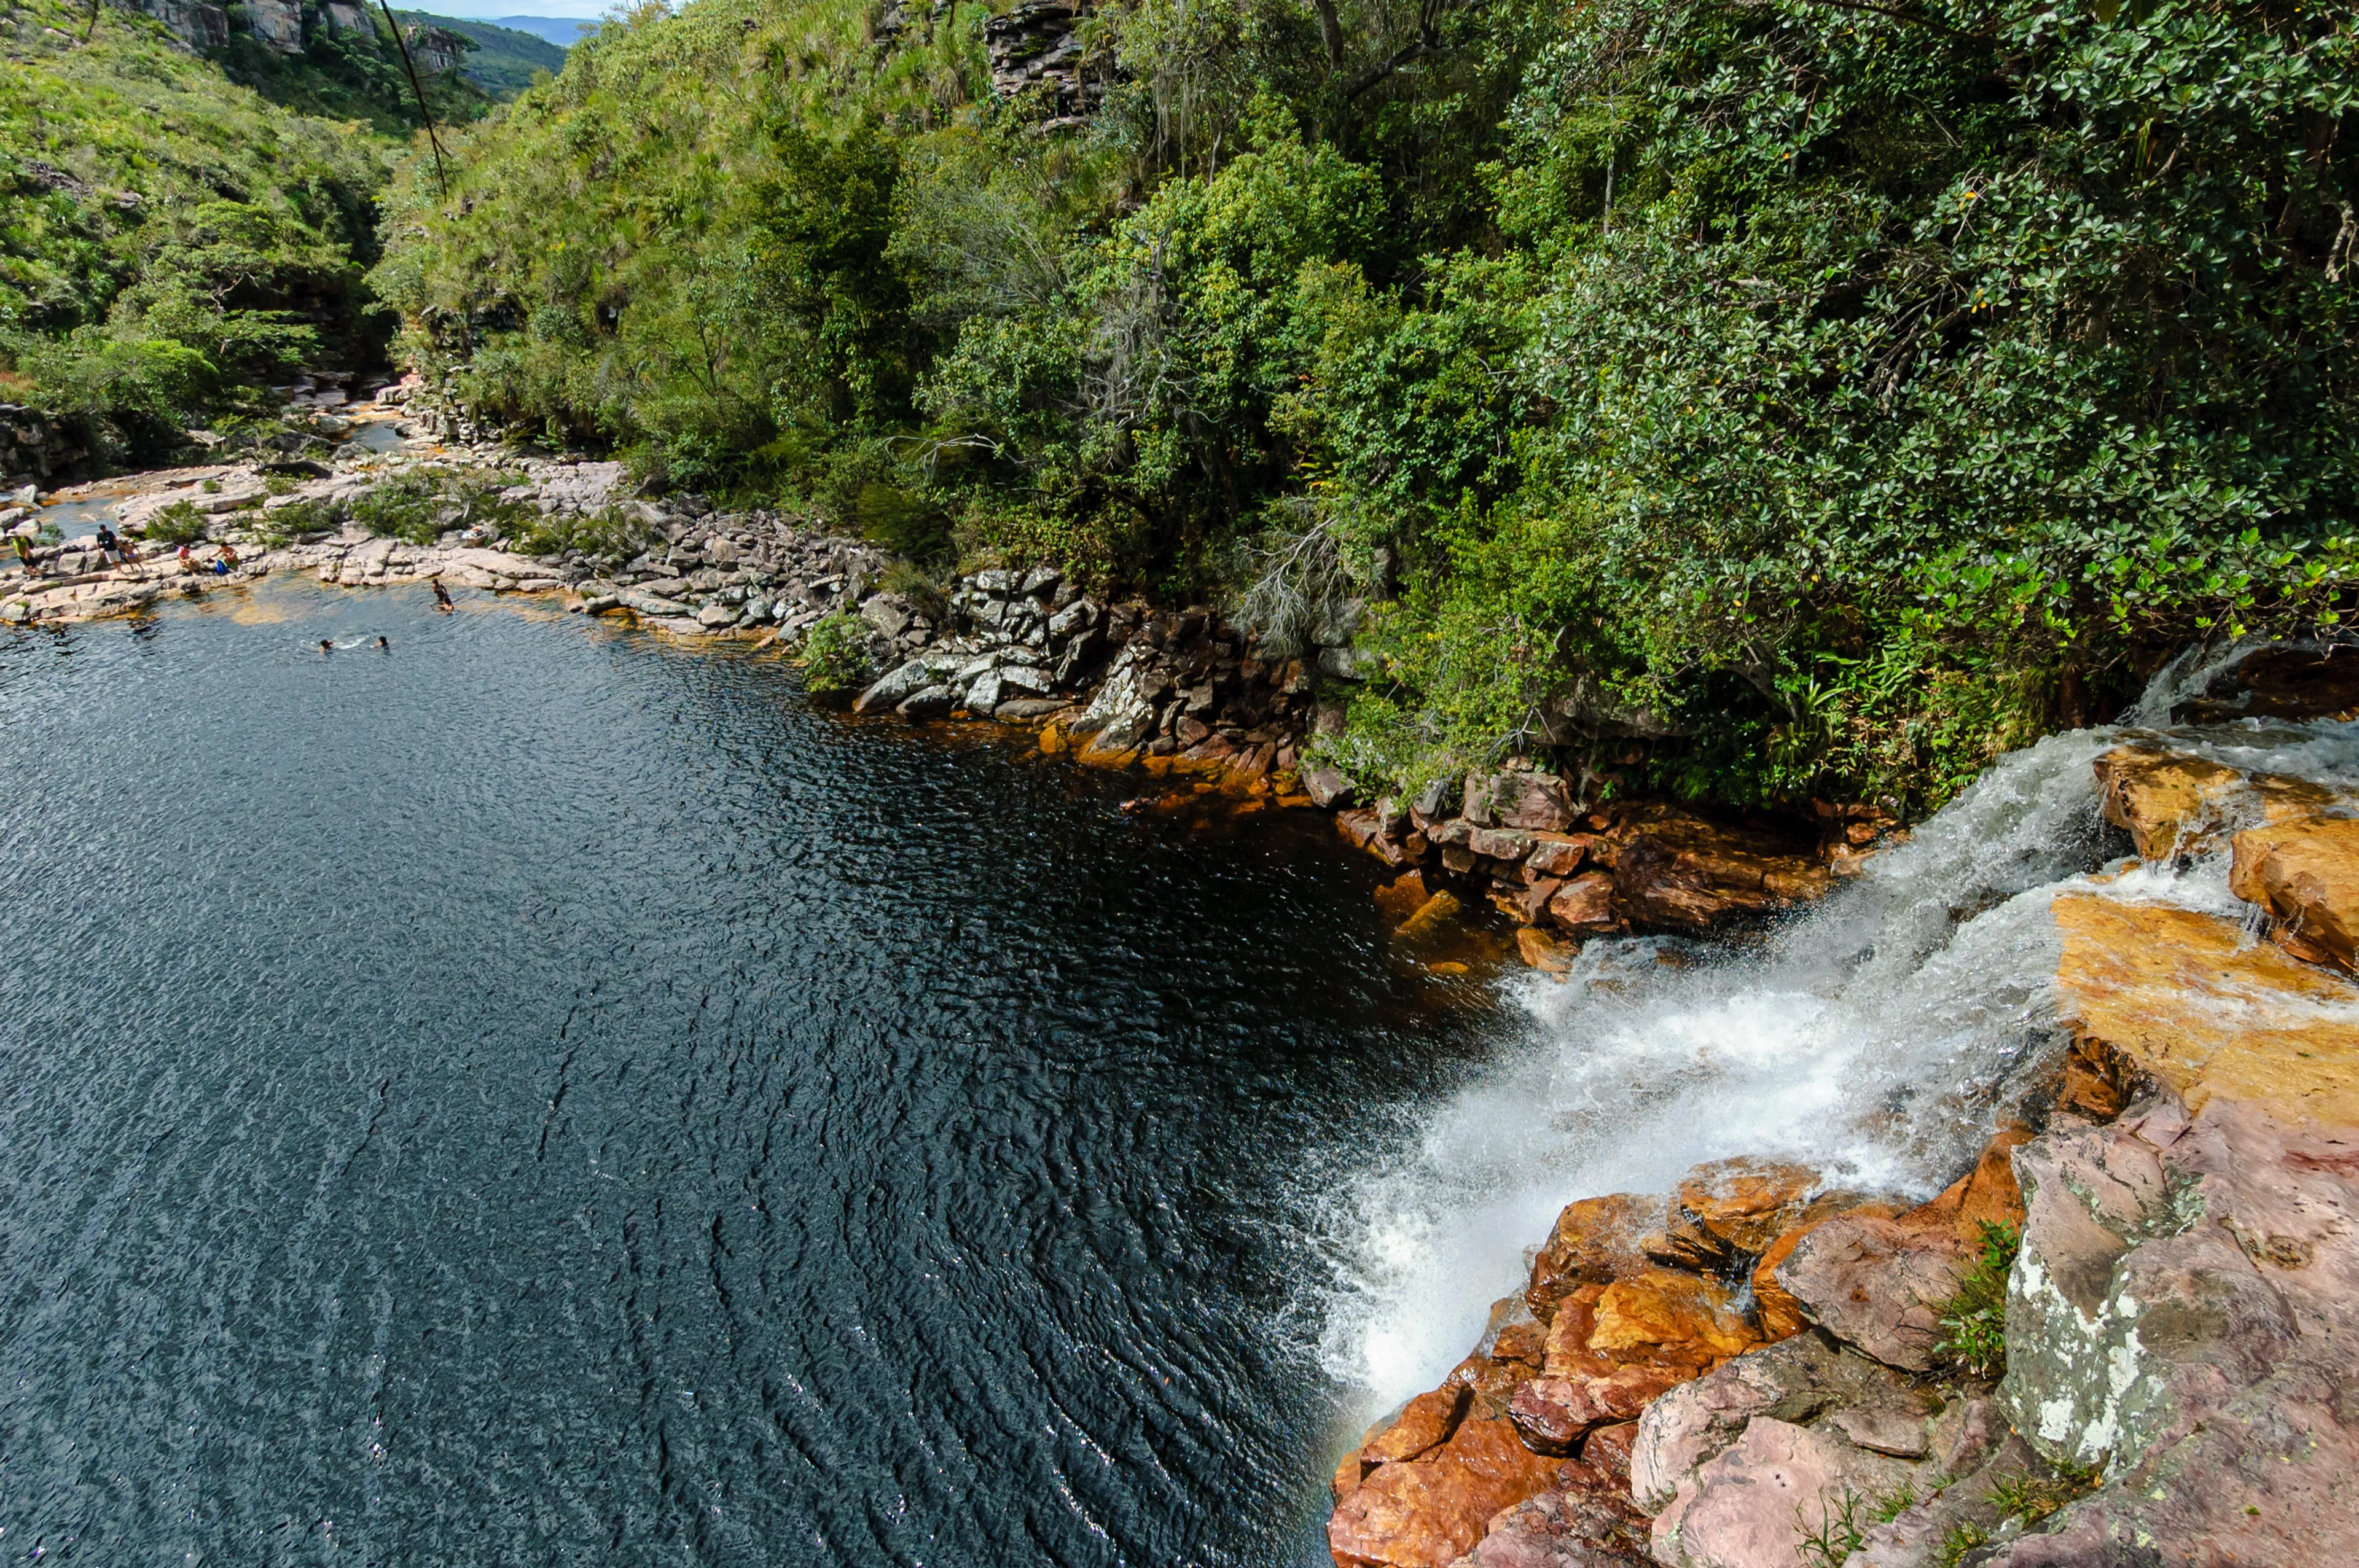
x,y
1759,398
168,240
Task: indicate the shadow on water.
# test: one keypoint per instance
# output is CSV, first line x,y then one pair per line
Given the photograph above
x,y
534,1095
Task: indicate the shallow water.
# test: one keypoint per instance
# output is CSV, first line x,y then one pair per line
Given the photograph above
x,y
538,1095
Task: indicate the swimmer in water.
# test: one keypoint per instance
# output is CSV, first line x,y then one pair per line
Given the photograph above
x,y
326,646
443,596
385,645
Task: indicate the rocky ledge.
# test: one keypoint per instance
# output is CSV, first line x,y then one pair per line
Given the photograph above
x,y
1754,1372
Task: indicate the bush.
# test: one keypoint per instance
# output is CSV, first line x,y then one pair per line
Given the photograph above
x,y
610,535
176,525
1974,1321
422,505
834,656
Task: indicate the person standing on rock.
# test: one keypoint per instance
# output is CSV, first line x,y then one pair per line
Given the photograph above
x,y
109,547
24,552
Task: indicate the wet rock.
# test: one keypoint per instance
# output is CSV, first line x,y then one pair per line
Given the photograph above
x,y
1430,917
1594,1242
1543,952
1525,902
2175,803
2305,872
1680,871
899,684
928,702
2278,683
2181,999
1667,1317
1734,1208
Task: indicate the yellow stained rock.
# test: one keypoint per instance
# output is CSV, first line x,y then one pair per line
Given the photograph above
x,y
1429,918
1543,952
2305,872
2174,803
2186,998
1668,1315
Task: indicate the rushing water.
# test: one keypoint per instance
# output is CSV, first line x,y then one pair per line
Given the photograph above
x,y
534,1096
1876,1035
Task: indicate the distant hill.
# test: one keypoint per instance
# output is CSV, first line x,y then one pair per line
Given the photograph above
x,y
559,31
507,52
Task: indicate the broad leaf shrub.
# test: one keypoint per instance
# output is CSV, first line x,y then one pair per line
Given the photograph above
x,y
1759,400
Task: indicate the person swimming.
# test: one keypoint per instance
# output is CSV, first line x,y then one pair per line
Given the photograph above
x,y
383,644
443,596
326,646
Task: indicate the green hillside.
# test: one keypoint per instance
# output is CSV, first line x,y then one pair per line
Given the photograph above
x,y
503,61
168,240
1764,398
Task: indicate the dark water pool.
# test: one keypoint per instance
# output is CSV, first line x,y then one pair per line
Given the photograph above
x,y
539,1096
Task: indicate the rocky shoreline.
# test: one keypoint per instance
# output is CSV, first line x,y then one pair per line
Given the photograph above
x,y
1195,704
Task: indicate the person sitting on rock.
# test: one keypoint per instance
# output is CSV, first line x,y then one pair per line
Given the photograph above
x,y
188,560
229,555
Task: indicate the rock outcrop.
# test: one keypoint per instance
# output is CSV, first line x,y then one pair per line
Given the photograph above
x,y
1036,47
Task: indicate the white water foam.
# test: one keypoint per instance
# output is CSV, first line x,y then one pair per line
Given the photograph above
x,y
1874,1035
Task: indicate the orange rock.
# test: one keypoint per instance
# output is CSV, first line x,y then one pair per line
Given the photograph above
x,y
2180,997
1739,1207
1425,1422
1595,1241
1430,917
1566,1354
1668,1316
1052,740
1542,952
2305,872
2176,803
1427,1513
1403,896
1988,1195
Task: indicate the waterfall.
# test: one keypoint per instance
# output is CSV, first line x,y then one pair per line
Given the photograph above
x,y
1875,1036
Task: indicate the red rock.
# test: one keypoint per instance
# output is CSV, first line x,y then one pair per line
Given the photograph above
x,y
1556,854
1585,904
1554,1414
1876,1284
1424,1424
1525,906
1607,1449
1403,896
1499,843
1580,1526
1756,1502
1326,786
1543,952
1425,1512
1517,799
1359,827
1677,870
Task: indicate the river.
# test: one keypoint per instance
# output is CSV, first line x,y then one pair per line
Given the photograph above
x,y
534,1095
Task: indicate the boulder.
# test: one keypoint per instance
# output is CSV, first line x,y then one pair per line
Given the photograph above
x,y
1514,798
1753,1505
2305,872
1876,1284
1553,1414
2278,683
1682,872
2180,998
1798,1380
1584,904
2175,803
1570,1527
897,684
1556,854
1734,1208
1543,952
1326,786
1668,1316
1594,1242
1426,1511
1429,918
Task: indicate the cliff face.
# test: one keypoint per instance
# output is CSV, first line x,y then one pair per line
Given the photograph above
x,y
1755,1370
